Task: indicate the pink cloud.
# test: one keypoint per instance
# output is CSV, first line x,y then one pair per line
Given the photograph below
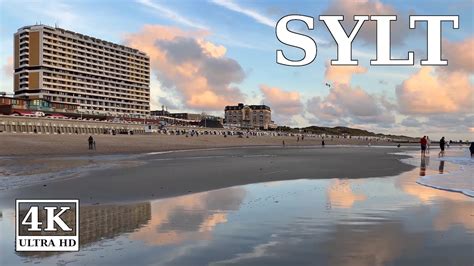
x,y
342,74
286,103
460,55
436,92
186,63
349,8
8,67
347,104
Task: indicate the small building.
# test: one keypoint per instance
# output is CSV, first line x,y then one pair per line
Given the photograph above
x,y
10,105
248,116
187,116
159,113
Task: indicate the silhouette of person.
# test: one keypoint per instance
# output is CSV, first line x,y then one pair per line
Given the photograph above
x,y
423,143
442,146
91,142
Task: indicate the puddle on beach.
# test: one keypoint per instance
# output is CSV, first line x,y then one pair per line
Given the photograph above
x,y
373,221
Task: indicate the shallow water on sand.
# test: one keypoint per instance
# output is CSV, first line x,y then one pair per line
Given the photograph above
x,y
373,221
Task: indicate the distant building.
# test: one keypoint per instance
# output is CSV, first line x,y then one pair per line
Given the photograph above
x,y
160,113
186,116
248,116
65,67
203,120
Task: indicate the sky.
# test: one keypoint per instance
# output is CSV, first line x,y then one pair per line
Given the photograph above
x,y
211,53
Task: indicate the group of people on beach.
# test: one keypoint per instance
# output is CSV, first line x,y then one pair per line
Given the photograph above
x,y
425,143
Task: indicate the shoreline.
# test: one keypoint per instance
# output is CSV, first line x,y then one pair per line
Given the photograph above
x,y
172,174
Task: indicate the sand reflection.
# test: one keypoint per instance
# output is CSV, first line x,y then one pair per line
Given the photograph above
x,y
452,208
340,194
191,217
377,244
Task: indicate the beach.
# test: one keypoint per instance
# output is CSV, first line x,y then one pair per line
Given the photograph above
x,y
304,205
67,144
117,178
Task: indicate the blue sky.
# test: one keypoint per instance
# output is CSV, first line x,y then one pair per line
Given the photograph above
x,y
298,96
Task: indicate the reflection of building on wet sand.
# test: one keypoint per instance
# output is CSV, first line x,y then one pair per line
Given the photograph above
x,y
105,222
191,217
98,222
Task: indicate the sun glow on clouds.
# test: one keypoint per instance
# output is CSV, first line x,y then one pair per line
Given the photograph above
x,y
283,102
186,63
431,92
345,104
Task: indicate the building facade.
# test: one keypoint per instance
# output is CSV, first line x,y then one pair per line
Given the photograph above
x,y
65,67
248,116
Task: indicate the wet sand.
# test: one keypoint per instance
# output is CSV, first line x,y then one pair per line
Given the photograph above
x,y
334,222
179,173
38,144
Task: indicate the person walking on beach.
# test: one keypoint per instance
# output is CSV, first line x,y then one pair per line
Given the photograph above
x,y
423,143
283,143
91,142
471,149
442,145
322,143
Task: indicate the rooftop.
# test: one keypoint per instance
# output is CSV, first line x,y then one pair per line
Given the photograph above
x,y
83,36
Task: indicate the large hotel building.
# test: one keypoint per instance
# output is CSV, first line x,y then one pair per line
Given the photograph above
x,y
65,67
248,116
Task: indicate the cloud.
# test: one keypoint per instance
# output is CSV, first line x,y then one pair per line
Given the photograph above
x,y
460,55
202,212
435,92
168,103
197,70
342,74
163,11
346,104
411,122
60,12
349,8
231,5
8,68
286,103
340,194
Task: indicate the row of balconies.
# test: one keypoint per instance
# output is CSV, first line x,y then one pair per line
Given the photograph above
x,y
77,93
115,53
144,97
57,56
139,67
79,69
119,82
88,97
103,45
120,88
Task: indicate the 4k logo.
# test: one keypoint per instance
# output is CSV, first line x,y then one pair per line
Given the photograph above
x,y
47,225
